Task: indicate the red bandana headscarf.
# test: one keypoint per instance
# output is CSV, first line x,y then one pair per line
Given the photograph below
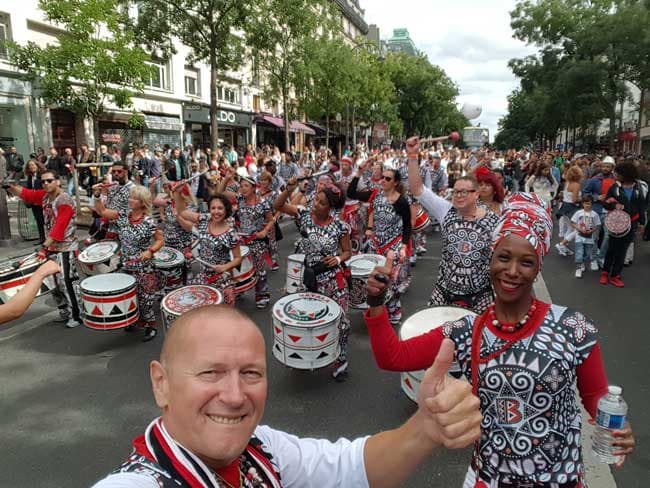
x,y
526,216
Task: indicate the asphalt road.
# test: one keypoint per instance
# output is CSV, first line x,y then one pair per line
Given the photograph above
x,y
72,400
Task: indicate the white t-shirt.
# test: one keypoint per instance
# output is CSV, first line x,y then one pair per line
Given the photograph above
x,y
590,220
302,463
434,205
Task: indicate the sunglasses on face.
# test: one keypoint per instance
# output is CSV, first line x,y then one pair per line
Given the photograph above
x,y
117,171
388,178
48,180
462,193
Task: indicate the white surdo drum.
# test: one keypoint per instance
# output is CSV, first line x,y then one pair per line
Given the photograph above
x,y
171,263
421,323
109,301
187,298
15,273
100,258
244,277
361,266
306,330
295,268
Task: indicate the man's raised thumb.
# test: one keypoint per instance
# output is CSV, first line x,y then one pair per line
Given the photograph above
x,y
435,375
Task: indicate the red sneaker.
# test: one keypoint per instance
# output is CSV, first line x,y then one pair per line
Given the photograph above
x,y
604,278
617,281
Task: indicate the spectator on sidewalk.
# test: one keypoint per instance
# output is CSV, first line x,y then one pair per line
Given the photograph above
x,y
585,222
15,163
33,171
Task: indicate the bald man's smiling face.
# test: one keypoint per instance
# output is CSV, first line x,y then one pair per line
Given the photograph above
x,y
212,385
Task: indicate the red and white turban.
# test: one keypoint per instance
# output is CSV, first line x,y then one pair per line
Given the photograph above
x,y
526,216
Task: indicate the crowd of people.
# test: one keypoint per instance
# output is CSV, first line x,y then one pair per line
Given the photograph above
x,y
495,214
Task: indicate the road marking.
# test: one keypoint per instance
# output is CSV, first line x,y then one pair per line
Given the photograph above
x,y
599,475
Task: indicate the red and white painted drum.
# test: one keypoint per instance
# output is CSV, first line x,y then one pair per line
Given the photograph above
x,y
295,269
187,298
100,258
421,323
306,330
13,279
618,223
350,215
361,266
171,263
109,301
422,221
244,277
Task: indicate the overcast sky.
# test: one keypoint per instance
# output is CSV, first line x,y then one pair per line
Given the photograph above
x,y
470,39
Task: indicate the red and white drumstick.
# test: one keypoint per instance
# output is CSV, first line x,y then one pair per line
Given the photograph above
x,y
40,256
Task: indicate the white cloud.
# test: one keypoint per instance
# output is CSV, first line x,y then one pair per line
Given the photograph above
x,y
470,39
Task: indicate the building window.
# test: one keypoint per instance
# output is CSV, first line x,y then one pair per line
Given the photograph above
x,y
159,76
256,103
5,34
192,85
228,95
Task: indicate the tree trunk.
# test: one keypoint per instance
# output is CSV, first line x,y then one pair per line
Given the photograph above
x,y
612,132
214,123
347,125
327,132
637,145
573,141
354,130
285,107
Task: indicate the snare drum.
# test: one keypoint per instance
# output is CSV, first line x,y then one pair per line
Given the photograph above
x,y
244,277
361,266
295,268
172,265
187,298
422,221
13,280
109,301
618,223
421,323
100,258
306,330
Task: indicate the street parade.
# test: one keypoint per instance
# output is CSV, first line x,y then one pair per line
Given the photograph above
x,y
328,288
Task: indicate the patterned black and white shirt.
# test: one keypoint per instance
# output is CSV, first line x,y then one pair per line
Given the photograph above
x,y
531,421
215,249
319,241
175,235
252,218
135,238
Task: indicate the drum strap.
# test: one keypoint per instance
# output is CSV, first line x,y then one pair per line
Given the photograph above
x,y
384,249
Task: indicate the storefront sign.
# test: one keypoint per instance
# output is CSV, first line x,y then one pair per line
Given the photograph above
x,y
200,114
112,138
162,123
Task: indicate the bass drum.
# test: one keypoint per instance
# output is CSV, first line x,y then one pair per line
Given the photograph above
x,y
421,323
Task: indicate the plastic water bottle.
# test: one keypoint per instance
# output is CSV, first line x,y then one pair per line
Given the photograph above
x,y
612,410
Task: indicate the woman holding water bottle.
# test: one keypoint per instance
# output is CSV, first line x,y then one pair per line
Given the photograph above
x,y
521,356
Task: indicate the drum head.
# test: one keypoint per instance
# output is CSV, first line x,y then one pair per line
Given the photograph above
x,y
190,297
244,251
296,258
108,283
306,310
168,257
431,318
98,252
618,222
363,264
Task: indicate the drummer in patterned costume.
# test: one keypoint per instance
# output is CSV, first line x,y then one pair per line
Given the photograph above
x,y
59,212
391,228
326,244
531,420
254,222
140,239
350,214
117,197
177,231
266,190
219,249
466,229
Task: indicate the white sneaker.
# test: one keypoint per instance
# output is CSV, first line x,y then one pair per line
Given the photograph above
x,y
593,265
561,249
72,323
579,272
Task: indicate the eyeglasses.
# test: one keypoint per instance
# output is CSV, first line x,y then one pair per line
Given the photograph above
x,y
388,178
462,193
48,180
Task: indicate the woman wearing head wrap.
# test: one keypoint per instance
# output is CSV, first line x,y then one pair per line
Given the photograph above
x,y
254,220
326,244
521,357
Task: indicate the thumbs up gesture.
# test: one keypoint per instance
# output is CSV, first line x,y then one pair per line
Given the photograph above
x,y
450,413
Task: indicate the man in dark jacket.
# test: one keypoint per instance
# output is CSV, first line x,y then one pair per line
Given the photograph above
x,y
15,162
54,161
176,166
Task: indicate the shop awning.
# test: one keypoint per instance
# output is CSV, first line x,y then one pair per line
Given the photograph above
x,y
163,123
320,131
278,123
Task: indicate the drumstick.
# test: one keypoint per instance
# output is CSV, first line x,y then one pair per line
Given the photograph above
x,y
315,175
20,262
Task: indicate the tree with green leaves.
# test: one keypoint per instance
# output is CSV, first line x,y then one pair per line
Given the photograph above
x,y
325,80
96,61
425,94
280,39
213,30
